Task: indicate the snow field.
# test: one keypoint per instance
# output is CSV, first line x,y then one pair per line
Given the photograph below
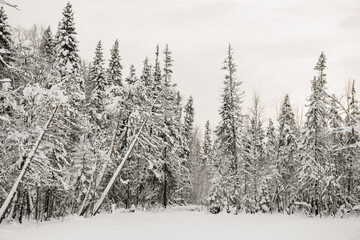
x,y
184,226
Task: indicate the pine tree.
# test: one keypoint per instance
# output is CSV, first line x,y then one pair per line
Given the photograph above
x,y
189,119
207,144
6,44
228,131
286,157
271,153
320,68
97,76
315,149
225,190
146,77
66,44
131,79
167,65
114,70
352,138
157,80
47,47
254,159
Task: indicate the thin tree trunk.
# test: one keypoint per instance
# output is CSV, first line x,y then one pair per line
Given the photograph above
x,y
25,167
165,197
110,153
37,204
117,172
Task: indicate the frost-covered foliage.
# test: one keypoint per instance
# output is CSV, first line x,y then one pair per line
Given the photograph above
x,y
82,146
6,43
313,169
114,69
6,46
66,44
61,141
228,135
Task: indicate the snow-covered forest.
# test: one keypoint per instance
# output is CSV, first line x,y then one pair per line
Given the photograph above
x,y
78,137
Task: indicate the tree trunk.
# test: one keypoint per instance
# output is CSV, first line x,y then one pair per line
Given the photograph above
x,y
25,167
165,197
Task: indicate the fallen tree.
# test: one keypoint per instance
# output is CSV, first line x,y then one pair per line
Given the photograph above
x,y
126,156
25,167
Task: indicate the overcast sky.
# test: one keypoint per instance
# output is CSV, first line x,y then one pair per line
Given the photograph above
x,y
276,43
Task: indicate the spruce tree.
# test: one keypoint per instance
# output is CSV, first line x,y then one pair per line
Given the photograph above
x,y
132,78
225,191
67,56
254,159
146,77
114,70
207,144
315,146
271,153
189,119
352,138
98,78
47,47
229,129
6,44
157,80
167,65
287,157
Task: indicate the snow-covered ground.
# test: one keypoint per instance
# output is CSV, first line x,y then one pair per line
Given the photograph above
x,y
186,225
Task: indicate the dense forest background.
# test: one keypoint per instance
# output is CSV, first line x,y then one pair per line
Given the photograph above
x,y
66,125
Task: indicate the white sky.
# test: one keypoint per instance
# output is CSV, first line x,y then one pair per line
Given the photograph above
x,y
276,43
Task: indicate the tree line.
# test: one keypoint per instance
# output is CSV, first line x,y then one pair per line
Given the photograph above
x,y
310,167
66,124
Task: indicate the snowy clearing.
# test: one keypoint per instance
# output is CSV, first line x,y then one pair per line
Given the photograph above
x,y
186,225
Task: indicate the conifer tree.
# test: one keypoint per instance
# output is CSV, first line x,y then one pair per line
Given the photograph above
x,y
97,76
225,190
167,65
132,78
47,47
315,146
271,153
6,44
352,137
189,119
286,158
146,77
67,56
207,144
254,159
157,80
114,70
229,129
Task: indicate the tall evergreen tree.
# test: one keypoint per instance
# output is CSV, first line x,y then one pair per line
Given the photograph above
x,y
47,47
97,76
157,80
6,44
67,55
146,77
114,70
229,129
167,65
352,138
189,119
225,190
315,145
271,153
132,78
254,161
287,157
207,144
